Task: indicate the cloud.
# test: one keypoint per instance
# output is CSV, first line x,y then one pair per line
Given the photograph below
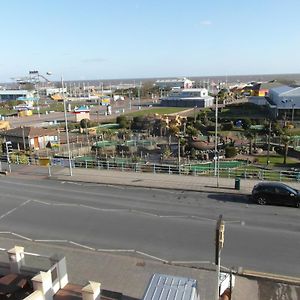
x,y
93,60
206,23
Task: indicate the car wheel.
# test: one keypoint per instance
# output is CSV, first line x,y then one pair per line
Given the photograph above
x,y
261,200
298,204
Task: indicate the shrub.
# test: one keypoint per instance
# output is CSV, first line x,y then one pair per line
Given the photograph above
x,y
227,126
123,122
230,152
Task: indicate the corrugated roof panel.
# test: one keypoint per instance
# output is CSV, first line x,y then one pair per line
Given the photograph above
x,y
166,287
281,89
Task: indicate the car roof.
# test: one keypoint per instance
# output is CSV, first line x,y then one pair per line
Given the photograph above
x,y
278,184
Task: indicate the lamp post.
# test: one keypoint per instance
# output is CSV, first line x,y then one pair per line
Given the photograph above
x,y
268,141
66,125
293,108
179,162
216,143
139,95
219,243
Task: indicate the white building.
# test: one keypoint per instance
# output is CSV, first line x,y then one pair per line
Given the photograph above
x,y
285,101
51,91
6,95
188,98
182,83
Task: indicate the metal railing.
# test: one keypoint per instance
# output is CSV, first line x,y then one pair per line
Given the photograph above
x,y
243,172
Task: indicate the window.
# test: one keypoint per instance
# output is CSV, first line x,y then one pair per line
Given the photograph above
x,y
282,191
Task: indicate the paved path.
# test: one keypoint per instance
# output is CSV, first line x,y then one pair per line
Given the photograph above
x,y
163,181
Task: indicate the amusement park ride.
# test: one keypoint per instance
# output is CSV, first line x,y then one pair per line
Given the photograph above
x,y
32,83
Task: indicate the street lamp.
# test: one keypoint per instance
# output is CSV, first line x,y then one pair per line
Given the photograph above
x,y
216,143
66,125
219,243
293,108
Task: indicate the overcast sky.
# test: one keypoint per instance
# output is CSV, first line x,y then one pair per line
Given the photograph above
x,y
97,39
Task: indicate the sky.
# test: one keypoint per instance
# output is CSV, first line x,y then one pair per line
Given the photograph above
x,y
97,39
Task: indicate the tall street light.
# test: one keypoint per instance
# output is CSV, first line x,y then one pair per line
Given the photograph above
x,y
216,143
219,243
66,124
293,109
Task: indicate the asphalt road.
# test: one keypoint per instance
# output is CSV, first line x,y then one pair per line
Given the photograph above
x,y
117,108
176,226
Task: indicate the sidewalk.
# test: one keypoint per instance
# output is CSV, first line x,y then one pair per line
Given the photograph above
x,y
150,180
130,274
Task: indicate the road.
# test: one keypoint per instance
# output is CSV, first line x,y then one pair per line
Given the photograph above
x,y
175,226
117,108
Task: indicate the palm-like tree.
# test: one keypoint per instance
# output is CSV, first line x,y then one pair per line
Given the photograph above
x,y
285,139
250,135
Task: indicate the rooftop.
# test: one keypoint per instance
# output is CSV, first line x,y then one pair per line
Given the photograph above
x,y
167,287
28,132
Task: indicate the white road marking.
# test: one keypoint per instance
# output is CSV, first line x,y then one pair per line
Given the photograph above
x,y
52,241
151,256
12,210
81,245
21,236
116,250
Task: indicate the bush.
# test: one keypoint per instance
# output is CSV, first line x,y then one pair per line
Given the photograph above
x,y
227,126
123,122
84,123
246,123
230,152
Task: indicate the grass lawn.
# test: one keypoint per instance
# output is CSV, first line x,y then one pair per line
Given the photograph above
x,y
276,160
242,110
158,110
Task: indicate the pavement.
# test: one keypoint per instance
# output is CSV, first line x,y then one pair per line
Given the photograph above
x,y
159,181
130,273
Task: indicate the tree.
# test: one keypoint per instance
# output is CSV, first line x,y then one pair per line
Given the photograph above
x,y
250,135
230,152
246,124
84,123
160,127
191,131
285,139
173,130
123,122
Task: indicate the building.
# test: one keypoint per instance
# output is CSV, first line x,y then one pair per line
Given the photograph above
x,y
264,87
81,112
51,91
6,95
30,137
284,102
183,83
32,276
188,98
167,287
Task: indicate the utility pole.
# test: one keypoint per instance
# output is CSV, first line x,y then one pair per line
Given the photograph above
x,y
220,230
268,141
179,154
66,125
216,142
139,95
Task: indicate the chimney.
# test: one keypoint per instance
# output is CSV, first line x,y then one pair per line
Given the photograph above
x,y
43,283
16,259
91,291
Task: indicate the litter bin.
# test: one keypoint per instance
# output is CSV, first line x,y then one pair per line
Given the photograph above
x,y
237,183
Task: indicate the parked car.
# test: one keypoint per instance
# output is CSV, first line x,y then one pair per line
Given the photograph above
x,y
275,193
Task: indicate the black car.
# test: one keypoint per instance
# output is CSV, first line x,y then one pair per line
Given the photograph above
x,y
275,193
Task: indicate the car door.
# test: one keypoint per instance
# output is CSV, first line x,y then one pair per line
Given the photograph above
x,y
282,196
268,193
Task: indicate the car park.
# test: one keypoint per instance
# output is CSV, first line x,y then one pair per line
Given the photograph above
x,y
275,193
